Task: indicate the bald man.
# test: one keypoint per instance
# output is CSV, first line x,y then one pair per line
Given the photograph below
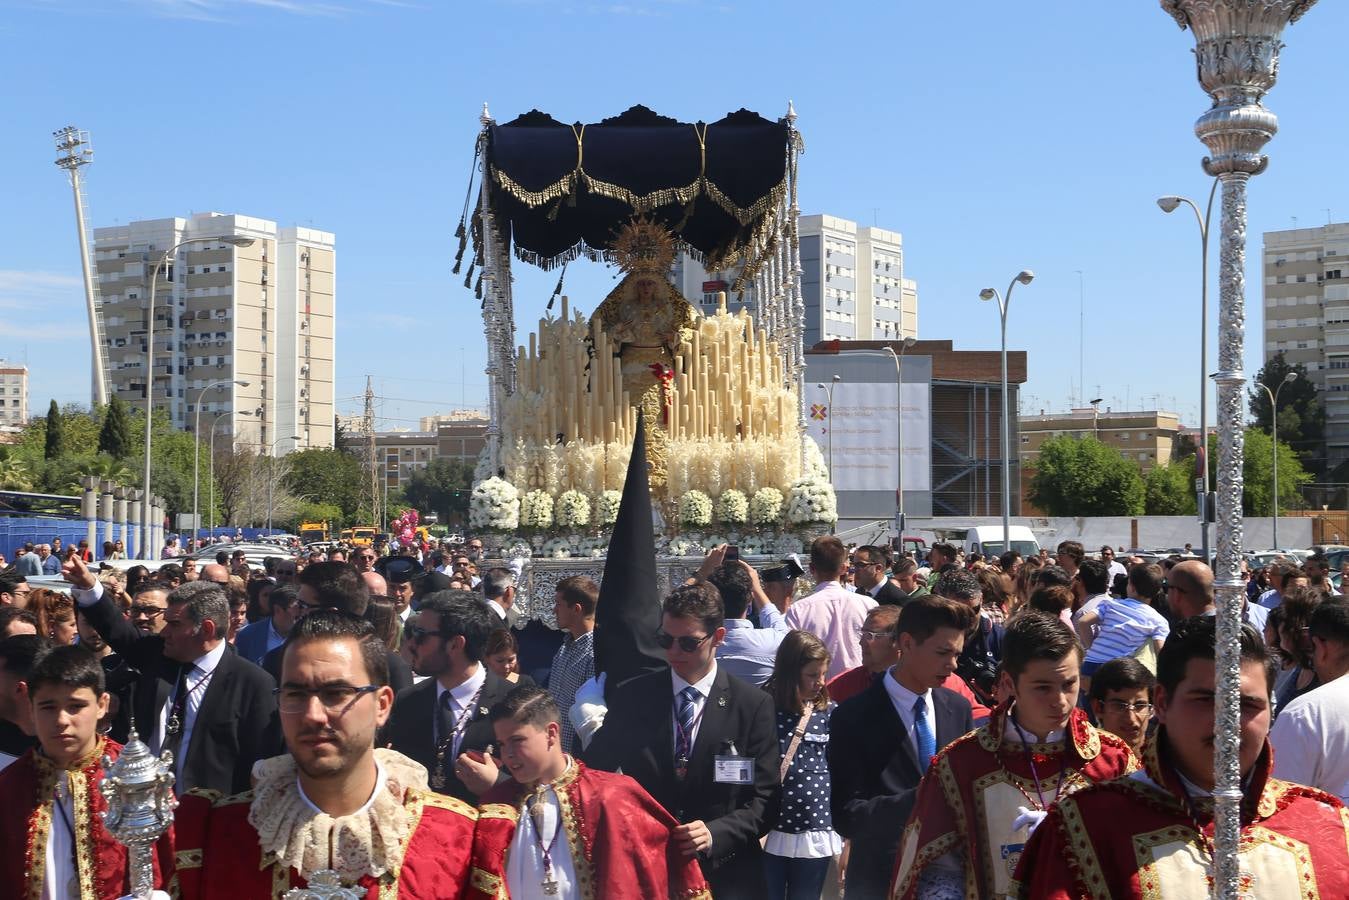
x,y
1189,591
376,583
215,572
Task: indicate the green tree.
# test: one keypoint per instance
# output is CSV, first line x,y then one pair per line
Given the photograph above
x,y
1257,473
443,486
1083,477
114,438
1302,417
14,472
326,476
55,436
1169,490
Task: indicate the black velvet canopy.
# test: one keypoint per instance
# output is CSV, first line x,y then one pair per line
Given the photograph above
x,y
560,191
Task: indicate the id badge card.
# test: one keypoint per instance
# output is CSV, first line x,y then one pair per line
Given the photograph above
x,y
733,770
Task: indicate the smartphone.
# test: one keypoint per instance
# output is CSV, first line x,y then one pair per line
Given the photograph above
x,y
732,553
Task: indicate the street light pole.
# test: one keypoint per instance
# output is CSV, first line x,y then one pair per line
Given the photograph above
x,y
147,552
904,347
1170,204
1025,276
196,455
1274,434
829,421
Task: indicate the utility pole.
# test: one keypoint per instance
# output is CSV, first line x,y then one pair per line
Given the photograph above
x,y
368,430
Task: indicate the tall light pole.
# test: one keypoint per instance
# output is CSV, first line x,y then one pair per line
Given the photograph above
x,y
904,346
1274,433
172,253
1237,44
1025,276
196,456
271,480
829,421
211,471
1170,204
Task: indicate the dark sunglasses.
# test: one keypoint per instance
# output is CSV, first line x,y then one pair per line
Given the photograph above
x,y
416,633
686,643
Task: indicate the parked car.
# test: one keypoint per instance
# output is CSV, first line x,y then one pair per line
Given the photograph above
x,y
254,553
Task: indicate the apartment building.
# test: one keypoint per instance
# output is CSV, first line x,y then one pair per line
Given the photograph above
x,y
853,284
1142,437
243,325
13,395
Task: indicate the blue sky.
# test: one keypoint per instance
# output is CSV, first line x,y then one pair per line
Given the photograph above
x,y
995,136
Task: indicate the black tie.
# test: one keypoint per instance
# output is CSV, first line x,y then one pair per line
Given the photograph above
x,y
173,737
445,719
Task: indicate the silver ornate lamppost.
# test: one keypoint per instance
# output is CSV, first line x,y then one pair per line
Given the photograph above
x,y
139,791
1237,54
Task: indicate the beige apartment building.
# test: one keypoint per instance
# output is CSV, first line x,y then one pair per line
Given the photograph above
x,y
1144,437
456,436
225,313
13,396
1306,281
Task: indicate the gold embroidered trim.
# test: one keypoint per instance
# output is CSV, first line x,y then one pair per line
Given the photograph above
x,y
280,880
585,876
188,859
37,842
499,811
484,881
1083,855
84,832
453,804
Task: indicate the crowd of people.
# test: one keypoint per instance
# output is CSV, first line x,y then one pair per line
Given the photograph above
x,y
853,724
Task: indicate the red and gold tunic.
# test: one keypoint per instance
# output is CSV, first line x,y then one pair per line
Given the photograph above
x,y
220,853
618,835
972,794
1136,837
27,817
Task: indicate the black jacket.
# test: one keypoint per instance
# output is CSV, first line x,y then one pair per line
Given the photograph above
x,y
874,774
890,593
236,723
411,729
638,737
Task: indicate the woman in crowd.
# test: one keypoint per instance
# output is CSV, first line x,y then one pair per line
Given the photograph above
x,y
134,576
259,594
995,594
1298,605
502,657
382,613
798,851
1024,578
55,613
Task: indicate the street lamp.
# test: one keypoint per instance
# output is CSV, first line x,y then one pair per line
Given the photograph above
x,y
237,241
211,472
904,346
829,412
1025,276
1170,204
271,481
1274,433
196,460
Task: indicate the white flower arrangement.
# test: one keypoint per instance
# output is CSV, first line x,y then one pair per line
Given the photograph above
x,y
814,460
732,507
811,501
695,509
482,469
536,510
766,506
494,506
556,548
686,547
606,508
572,510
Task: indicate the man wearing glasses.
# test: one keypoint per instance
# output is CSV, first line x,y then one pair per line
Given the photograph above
x,y
870,568
148,606
14,590
702,742
1121,699
333,803
364,558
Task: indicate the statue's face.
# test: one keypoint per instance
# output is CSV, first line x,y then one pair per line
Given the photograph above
x,y
646,290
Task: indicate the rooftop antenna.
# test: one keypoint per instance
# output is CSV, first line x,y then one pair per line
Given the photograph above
x,y
73,153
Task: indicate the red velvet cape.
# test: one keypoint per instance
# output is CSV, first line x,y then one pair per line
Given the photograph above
x,y
218,856
952,810
1134,837
27,788
619,837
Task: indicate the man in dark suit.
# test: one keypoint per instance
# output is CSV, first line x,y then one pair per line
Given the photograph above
x,y
195,695
871,567
255,640
700,741
442,720
881,742
498,589
335,585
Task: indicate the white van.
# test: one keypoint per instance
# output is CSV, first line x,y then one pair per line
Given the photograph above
x,y
988,540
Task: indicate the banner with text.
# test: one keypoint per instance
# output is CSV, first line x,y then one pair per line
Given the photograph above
x,y
865,428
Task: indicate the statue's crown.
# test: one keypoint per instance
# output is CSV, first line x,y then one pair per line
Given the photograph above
x,y
643,246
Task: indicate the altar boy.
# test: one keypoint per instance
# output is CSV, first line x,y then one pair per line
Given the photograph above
x,y
52,839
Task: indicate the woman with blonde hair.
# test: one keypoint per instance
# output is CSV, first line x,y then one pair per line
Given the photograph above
x,y
798,851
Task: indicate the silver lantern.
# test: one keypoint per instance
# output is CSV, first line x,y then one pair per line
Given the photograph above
x,y
139,791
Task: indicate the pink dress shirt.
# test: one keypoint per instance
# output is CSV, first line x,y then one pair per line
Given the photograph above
x,y
835,616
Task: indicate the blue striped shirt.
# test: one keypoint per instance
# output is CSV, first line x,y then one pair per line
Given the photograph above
x,y
1125,624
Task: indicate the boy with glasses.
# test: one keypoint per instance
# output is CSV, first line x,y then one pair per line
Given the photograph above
x,y
335,811
1121,700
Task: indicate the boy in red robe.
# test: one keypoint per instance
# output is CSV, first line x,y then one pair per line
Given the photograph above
x,y
987,791
335,810
52,840
1150,834
559,829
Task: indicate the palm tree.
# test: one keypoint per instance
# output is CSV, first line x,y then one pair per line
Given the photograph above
x,y
14,475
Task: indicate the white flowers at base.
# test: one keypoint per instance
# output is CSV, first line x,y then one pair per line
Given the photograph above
x,y
536,510
732,507
766,507
494,506
572,510
811,501
695,509
606,508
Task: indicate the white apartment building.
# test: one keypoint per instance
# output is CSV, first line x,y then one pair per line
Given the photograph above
x,y
224,314
13,395
853,283
700,287
1306,291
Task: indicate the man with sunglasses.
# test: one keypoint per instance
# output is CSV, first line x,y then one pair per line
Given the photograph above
x,y
334,803
148,606
700,741
443,720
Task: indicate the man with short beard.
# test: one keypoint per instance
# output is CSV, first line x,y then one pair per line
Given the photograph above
x,y
334,809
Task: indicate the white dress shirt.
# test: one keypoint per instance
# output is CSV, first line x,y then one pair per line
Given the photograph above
x,y
704,688
195,685
1311,739
459,700
904,701
381,778
58,865
496,608
525,872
